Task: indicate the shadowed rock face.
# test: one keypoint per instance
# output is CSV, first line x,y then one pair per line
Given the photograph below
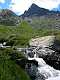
x,y
53,60
30,66
24,62
56,45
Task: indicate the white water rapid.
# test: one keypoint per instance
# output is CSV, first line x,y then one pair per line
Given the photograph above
x,y
47,71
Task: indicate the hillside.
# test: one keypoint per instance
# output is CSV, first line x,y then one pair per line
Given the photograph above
x,y
52,22
21,34
18,35
40,18
7,17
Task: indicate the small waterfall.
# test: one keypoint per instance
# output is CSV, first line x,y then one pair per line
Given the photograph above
x,y
44,69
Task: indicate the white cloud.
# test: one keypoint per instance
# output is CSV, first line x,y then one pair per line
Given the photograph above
x,y
48,4
19,6
2,1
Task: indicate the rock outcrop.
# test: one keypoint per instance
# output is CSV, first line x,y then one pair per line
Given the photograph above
x,y
42,41
42,45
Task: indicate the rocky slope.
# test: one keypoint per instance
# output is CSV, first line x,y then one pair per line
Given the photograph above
x,y
41,18
7,17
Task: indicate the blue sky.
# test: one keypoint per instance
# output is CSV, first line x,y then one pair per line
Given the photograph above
x,y
5,3
19,6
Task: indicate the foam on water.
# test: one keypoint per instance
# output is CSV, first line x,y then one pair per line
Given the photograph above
x,y
54,78
47,71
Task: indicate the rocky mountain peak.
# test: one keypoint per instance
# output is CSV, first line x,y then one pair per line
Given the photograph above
x,y
35,10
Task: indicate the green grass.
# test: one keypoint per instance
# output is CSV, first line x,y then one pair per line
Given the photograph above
x,y
9,70
20,35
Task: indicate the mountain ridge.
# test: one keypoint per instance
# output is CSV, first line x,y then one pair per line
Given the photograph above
x,y
35,10
8,17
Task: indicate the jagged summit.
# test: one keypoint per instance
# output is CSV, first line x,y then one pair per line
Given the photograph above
x,y
35,10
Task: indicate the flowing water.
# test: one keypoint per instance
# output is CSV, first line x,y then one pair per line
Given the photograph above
x,y
47,71
44,69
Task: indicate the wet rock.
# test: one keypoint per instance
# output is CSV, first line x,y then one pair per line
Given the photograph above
x,y
53,60
39,76
31,70
24,62
56,45
29,65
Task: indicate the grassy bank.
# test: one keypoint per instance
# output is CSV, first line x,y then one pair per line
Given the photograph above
x,y
9,70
